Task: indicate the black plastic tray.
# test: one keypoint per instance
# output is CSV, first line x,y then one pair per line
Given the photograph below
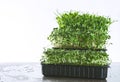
x,y
92,72
81,49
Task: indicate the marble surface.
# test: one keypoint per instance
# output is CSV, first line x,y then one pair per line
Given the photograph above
x,y
31,72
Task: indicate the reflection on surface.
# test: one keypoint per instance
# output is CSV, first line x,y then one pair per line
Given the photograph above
x,y
31,72
64,79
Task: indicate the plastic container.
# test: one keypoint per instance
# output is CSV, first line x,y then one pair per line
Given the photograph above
x,y
92,72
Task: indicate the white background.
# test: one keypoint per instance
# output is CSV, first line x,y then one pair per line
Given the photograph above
x,y
25,25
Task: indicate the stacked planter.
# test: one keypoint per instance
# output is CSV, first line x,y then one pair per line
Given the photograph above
x,y
79,47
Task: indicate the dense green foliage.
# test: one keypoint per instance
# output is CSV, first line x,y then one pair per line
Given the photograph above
x,y
75,57
80,30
